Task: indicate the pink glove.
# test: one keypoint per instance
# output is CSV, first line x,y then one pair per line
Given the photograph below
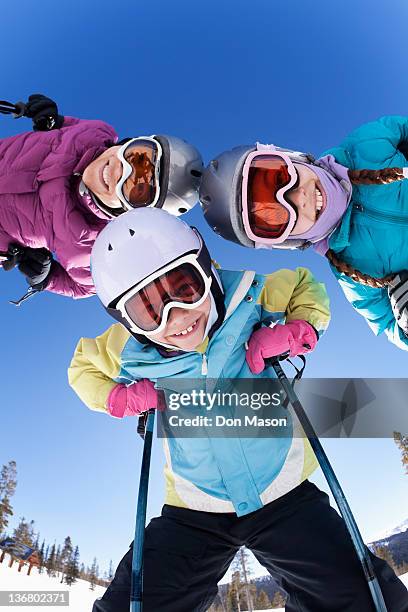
x,y
132,400
297,337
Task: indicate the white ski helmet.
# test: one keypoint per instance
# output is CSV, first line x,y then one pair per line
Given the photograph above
x,y
138,244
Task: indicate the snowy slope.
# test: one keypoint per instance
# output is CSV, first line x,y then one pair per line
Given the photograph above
x,y
80,595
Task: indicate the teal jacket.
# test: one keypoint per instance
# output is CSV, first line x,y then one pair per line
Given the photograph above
x,y
373,235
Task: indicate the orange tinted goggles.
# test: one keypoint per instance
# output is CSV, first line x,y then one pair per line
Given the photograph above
x,y
268,214
139,184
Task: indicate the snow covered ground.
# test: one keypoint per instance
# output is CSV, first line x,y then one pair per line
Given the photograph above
x,y
81,596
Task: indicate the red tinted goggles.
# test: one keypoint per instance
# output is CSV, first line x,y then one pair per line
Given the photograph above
x,y
267,175
183,284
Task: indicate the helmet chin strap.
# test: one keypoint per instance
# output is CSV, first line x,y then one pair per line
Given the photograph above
x,y
212,318
109,211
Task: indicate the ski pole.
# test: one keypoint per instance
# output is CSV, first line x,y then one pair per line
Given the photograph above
x,y
136,591
335,487
30,293
8,108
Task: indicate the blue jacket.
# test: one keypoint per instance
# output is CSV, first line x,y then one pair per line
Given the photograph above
x,y
373,235
210,473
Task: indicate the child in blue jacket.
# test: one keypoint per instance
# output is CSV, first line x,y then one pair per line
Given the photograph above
x,y
183,321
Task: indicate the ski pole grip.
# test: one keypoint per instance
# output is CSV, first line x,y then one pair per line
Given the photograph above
x,y
269,361
141,425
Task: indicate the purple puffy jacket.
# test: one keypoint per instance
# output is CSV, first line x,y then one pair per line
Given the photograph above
x,y
40,203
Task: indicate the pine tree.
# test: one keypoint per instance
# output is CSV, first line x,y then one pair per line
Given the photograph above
x,y
66,555
402,443
8,483
93,575
262,601
41,555
217,604
384,552
82,572
110,572
402,568
58,567
50,565
215,608
23,535
241,564
72,568
37,541
6,510
233,595
222,596
278,600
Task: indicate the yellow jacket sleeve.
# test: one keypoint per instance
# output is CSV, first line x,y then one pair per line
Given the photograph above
x,y
296,295
95,365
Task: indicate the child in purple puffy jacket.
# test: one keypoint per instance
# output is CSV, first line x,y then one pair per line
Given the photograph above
x,y
59,188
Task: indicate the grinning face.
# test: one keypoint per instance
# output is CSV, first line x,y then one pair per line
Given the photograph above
x,y
308,198
102,175
185,328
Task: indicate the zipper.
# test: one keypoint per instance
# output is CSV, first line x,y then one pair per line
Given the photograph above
x,y
204,365
380,216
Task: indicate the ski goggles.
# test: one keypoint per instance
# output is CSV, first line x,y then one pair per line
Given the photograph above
x,y
182,284
139,184
267,176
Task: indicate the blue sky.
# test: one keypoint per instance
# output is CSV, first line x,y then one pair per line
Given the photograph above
x,y
219,74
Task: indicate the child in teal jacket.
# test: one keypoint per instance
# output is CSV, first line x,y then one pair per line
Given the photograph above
x,y
350,205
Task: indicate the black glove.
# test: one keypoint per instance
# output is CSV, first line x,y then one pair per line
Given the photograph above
x,y
14,254
35,264
44,113
398,294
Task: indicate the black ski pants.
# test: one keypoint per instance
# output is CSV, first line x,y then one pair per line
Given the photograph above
x,y
299,539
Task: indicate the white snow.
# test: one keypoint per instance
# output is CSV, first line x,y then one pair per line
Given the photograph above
x,y
81,597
